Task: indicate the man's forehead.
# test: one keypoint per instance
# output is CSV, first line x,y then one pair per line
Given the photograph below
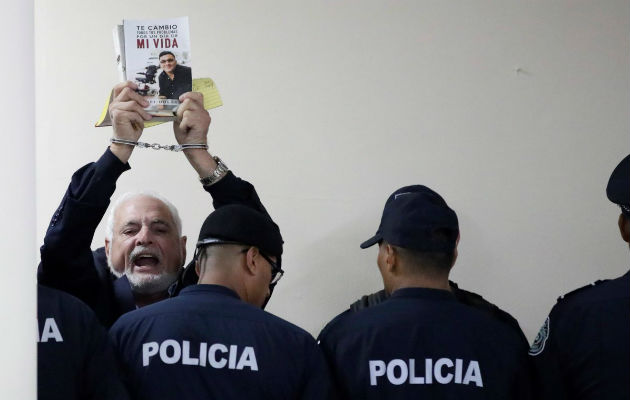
x,y
143,208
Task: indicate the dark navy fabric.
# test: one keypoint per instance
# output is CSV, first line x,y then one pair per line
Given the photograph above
x,y
381,352
74,356
288,363
583,349
68,263
463,296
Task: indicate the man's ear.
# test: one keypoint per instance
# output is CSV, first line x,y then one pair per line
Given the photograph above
x,y
197,268
182,243
251,264
624,227
455,249
107,244
390,257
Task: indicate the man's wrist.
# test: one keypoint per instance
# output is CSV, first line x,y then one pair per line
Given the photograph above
x,y
122,151
216,175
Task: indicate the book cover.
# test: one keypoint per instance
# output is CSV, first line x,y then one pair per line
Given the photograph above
x,y
156,56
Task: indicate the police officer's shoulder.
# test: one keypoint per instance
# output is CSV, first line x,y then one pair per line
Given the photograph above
x,y
138,315
286,326
598,291
369,300
60,301
336,324
477,301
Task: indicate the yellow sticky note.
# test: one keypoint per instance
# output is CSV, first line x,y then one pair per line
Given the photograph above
x,y
211,99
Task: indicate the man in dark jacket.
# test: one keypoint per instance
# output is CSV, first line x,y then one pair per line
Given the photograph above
x,y
145,249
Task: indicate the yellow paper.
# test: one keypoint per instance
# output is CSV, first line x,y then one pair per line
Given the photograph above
x,y
211,99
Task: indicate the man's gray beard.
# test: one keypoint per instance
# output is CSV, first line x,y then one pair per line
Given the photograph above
x,y
145,284
111,268
151,283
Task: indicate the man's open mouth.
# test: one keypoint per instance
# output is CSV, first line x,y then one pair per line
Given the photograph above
x,y
145,262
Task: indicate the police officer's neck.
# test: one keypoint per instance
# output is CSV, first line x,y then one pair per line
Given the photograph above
x,y
227,274
417,281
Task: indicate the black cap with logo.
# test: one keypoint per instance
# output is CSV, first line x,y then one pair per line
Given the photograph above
x,y
415,217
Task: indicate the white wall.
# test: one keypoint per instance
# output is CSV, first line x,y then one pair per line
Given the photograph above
x,y
516,112
17,174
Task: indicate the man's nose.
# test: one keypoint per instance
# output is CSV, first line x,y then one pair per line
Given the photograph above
x,y
144,237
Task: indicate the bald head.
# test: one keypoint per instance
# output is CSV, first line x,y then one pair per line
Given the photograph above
x,y
238,267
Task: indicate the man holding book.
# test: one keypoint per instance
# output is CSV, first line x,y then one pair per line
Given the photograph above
x,y
144,253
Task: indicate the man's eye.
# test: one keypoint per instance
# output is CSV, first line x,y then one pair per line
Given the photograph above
x,y
129,232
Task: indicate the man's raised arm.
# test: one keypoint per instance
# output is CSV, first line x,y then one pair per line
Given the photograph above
x,y
191,127
67,262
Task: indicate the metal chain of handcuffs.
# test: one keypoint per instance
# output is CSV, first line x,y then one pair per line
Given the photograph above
x,y
219,172
157,146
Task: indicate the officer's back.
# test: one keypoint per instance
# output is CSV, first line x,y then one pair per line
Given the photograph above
x,y
213,340
74,355
422,342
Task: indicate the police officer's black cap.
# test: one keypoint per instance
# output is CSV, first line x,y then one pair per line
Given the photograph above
x,y
618,189
415,217
236,223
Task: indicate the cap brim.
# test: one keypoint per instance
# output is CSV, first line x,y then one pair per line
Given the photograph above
x,y
210,240
371,241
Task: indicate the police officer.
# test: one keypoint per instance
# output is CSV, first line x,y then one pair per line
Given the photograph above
x,y
74,355
421,342
213,340
583,348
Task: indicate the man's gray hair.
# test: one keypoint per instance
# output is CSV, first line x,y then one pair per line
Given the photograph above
x,y
109,229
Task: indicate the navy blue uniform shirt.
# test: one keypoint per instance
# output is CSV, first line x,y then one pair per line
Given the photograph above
x,y
583,348
207,343
423,343
75,359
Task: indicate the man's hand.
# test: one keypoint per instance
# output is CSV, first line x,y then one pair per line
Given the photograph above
x,y
191,127
192,121
128,115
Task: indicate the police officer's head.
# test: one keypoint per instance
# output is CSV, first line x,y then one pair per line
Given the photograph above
x,y
618,191
417,237
240,248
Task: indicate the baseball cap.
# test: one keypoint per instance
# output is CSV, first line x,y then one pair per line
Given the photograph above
x,y
618,188
241,224
412,217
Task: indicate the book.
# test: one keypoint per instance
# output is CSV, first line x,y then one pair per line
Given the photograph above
x,y
206,86
146,51
155,55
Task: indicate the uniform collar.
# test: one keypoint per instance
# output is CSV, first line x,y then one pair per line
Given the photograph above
x,y
208,289
423,293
